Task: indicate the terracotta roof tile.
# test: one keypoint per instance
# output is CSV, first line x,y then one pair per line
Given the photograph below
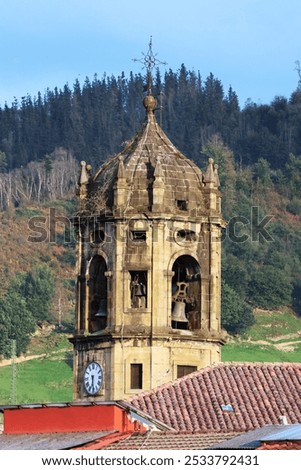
x,y
258,393
170,440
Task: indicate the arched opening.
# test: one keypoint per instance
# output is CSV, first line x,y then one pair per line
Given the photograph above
x,y
186,294
97,294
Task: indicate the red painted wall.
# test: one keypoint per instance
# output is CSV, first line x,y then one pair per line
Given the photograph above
x,y
67,419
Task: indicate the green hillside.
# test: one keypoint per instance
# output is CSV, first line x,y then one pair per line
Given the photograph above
x,y
44,374
275,337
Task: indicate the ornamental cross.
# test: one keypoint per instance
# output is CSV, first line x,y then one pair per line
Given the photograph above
x,y
149,62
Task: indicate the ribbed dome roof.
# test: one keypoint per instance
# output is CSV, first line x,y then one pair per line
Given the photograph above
x,y
150,159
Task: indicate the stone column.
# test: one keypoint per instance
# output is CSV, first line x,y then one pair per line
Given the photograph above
x,y
158,287
120,280
215,277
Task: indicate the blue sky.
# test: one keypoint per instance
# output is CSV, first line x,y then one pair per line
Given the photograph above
x,y
251,45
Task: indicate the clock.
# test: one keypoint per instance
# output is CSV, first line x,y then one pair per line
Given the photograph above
x,y
93,378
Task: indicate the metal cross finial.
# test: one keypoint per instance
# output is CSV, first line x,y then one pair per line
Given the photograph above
x,y
149,62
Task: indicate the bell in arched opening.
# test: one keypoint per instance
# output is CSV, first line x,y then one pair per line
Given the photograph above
x,y
178,313
102,309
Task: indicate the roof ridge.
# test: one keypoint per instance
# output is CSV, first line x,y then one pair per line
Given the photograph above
x,y
260,363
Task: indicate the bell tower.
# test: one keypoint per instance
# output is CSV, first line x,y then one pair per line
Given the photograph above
x,y
148,289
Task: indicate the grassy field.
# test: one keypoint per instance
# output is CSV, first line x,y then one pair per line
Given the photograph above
x,y
38,381
245,352
276,337
47,379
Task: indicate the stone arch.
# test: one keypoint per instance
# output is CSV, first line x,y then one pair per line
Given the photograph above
x,y
98,294
186,293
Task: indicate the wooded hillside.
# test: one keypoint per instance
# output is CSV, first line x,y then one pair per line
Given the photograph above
x,y
257,148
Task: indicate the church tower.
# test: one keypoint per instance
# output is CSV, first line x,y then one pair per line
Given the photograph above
x,y
148,289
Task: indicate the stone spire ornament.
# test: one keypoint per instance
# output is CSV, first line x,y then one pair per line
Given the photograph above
x,y
83,180
209,176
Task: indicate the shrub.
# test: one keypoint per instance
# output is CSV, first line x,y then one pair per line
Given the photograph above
x,y
237,315
16,322
294,206
37,289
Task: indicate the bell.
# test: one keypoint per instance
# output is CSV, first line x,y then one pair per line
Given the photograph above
x,y
178,313
102,310
139,292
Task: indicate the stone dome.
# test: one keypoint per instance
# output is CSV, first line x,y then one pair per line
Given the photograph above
x,y
148,163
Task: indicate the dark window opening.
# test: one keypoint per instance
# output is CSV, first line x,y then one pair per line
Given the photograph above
x,y
182,204
136,376
185,370
138,235
98,236
138,287
187,235
98,294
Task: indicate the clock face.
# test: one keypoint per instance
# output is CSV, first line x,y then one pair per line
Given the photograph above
x,y
93,378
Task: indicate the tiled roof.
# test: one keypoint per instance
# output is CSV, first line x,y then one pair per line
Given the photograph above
x,y
254,439
50,441
258,394
170,440
280,446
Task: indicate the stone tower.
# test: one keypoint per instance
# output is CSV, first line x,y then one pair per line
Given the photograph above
x,y
149,268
